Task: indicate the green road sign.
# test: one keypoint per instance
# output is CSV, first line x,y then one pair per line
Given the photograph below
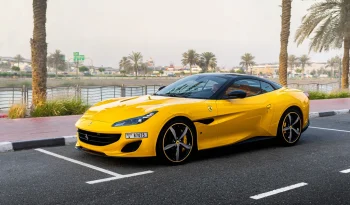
x,y
75,53
79,58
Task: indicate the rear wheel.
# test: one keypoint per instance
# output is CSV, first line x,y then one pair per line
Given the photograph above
x,y
176,142
290,127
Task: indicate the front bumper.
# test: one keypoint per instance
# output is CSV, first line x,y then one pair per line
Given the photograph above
x,y
307,126
142,147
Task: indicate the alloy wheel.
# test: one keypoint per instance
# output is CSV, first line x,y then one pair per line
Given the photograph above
x,y
291,127
177,142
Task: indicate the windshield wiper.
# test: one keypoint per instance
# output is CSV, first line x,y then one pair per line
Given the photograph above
x,y
173,95
177,94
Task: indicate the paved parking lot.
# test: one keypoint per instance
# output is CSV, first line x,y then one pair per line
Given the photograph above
x,y
315,171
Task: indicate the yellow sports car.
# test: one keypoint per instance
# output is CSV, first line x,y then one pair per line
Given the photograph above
x,y
194,113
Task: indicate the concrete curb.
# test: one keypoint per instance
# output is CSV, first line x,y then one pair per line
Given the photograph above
x,y
328,113
68,140
32,144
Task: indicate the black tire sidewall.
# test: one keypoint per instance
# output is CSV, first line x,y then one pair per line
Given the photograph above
x,y
280,137
159,147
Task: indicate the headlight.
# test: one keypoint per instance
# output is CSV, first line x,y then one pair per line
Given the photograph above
x,y
134,121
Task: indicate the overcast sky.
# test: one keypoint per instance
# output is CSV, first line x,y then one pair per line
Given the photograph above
x,y
106,30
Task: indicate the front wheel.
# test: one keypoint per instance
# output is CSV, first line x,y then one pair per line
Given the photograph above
x,y
290,127
176,142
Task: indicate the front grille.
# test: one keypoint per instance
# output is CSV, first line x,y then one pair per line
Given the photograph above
x,y
98,139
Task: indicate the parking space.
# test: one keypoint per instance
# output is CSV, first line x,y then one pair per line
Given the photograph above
x,y
316,170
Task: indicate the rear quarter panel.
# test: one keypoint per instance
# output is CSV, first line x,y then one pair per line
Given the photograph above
x,y
285,98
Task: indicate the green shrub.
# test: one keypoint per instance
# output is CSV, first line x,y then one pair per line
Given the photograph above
x,y
17,111
60,107
315,95
74,107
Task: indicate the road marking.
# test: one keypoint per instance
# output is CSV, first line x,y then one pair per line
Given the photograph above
x,y
321,128
115,175
79,162
121,177
277,191
345,171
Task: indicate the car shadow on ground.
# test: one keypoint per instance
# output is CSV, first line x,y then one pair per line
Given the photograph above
x,y
247,147
203,155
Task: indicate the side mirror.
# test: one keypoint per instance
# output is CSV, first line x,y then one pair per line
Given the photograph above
x,y
161,87
237,94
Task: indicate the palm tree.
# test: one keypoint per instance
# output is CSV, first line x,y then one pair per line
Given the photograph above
x,y
329,23
18,58
56,60
292,61
208,59
39,53
125,64
285,31
213,64
304,60
190,57
247,61
334,63
144,67
136,58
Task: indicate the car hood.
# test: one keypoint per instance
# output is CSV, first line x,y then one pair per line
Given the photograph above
x,y
117,109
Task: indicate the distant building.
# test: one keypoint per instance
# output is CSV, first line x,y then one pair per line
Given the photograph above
x,y
267,69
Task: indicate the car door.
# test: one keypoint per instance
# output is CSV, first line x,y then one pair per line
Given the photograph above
x,y
243,118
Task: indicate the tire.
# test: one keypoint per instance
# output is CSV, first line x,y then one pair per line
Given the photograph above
x,y
179,149
290,127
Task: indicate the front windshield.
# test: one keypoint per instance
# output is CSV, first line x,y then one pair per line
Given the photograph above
x,y
196,86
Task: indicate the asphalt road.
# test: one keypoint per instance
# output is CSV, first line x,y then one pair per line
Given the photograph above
x,y
252,173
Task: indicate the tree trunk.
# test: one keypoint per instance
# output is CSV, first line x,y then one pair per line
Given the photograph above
x,y
56,70
190,69
39,52
345,73
285,31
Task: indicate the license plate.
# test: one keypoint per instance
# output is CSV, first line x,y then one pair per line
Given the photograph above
x,y
135,135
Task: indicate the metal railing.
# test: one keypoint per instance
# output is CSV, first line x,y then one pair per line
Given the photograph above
x,y
325,87
89,94
93,94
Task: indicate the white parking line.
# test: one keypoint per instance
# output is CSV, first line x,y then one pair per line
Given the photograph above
x,y
345,171
321,128
115,175
114,178
277,191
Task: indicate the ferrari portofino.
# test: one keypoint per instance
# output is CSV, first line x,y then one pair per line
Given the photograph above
x,y
194,113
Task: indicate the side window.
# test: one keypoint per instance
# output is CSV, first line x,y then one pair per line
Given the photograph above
x,y
251,87
266,87
209,84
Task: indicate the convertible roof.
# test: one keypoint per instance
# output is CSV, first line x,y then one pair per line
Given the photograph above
x,y
229,75
235,75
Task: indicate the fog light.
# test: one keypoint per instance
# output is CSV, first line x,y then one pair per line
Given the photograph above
x,y
136,135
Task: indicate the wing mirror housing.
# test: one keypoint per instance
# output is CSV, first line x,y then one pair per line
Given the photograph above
x,y
161,87
237,94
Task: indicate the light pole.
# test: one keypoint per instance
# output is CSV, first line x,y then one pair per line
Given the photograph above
x,y
92,63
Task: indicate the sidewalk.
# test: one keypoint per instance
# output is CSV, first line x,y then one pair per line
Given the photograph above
x,y
52,127
329,105
37,128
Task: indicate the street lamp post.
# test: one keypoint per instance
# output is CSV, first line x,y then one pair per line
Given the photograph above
x,y
91,62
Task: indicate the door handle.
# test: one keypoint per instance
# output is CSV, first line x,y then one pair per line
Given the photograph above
x,y
268,106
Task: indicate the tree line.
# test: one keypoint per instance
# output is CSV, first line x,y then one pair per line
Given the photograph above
x,y
326,24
